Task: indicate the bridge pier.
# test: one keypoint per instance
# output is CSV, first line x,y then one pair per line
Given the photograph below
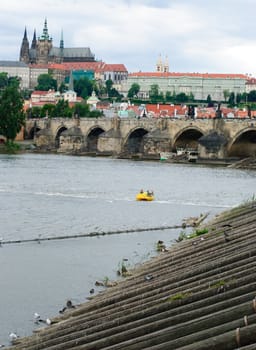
x,y
145,137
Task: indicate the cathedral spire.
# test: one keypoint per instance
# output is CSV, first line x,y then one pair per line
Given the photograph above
x,y
25,34
24,50
45,35
33,44
71,81
61,40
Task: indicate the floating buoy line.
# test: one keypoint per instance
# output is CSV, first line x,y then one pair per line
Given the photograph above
x,y
90,234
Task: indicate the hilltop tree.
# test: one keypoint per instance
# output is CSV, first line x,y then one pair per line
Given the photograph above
x,y
133,91
83,87
182,97
209,101
226,94
12,117
46,82
154,92
252,96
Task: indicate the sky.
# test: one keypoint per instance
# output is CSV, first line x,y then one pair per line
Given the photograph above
x,y
205,36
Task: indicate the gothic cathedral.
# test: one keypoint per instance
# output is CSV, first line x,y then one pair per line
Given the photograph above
x,y
42,50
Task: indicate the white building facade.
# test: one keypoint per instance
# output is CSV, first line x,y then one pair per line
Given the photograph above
x,y
16,69
200,85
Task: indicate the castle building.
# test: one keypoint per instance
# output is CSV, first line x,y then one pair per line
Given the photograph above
x,y
42,50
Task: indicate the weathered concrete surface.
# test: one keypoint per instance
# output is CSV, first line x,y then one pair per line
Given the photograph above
x,y
199,295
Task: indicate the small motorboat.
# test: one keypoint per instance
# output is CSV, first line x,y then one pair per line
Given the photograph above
x,y
145,196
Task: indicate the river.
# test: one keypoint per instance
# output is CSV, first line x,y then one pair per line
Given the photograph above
x,y
45,196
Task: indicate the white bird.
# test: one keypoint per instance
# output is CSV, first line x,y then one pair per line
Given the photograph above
x,y
37,317
13,337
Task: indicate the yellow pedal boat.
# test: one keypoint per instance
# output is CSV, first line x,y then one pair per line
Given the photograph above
x,y
145,196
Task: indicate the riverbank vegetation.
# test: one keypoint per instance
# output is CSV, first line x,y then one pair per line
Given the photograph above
x,y
12,117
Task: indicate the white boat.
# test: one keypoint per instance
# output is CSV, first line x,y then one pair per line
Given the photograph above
x,y
192,155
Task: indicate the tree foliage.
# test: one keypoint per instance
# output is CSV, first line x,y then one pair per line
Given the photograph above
x,y
133,91
209,101
3,80
252,96
12,117
63,110
46,82
154,92
182,97
83,87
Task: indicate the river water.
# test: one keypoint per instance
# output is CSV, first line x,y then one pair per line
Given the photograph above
x,y
56,195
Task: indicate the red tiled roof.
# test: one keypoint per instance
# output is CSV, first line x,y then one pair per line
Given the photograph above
x,y
39,92
98,66
251,81
115,67
39,66
201,75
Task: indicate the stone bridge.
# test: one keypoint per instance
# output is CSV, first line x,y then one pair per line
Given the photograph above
x,y
146,138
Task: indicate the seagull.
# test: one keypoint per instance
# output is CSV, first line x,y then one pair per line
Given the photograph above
x,y
69,305
13,336
38,319
148,277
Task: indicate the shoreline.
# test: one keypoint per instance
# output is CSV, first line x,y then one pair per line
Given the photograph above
x,y
193,295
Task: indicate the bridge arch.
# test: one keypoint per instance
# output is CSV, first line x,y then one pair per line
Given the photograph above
x,y
187,137
243,144
58,134
93,138
30,133
133,143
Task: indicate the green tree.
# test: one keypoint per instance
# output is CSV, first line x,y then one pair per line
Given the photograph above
x,y
154,92
133,91
47,110
238,98
181,97
62,87
83,87
81,110
226,94
46,82
168,96
3,80
209,101
12,117
252,96
231,99
62,110
109,85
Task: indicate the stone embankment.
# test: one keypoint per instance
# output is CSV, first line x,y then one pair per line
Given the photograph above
x,y
247,163
198,295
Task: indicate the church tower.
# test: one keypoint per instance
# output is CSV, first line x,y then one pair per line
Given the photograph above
x,y
162,66
24,50
44,46
159,64
166,65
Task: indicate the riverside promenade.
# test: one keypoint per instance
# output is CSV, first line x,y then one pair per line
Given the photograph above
x,y
199,294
